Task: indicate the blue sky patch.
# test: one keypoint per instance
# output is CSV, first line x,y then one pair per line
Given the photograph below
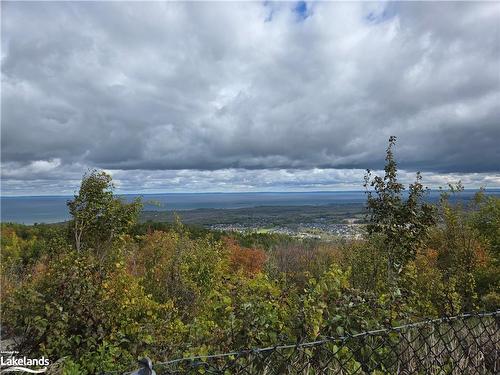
x,y
301,10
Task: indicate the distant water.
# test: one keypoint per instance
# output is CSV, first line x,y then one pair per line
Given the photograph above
x,y
51,209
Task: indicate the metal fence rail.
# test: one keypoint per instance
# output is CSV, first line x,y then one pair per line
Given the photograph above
x,y
465,344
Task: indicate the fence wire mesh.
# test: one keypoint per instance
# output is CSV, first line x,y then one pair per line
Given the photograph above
x,y
465,344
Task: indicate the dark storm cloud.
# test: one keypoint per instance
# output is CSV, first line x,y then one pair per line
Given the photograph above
x,y
235,87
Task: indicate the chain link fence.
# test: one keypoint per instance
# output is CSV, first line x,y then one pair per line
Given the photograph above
x,y
465,344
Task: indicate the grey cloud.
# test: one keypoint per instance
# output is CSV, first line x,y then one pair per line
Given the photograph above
x,y
249,86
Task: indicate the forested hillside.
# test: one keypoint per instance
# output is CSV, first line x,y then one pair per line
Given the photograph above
x,y
103,290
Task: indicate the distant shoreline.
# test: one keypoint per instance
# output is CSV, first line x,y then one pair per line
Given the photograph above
x,y
70,196
204,207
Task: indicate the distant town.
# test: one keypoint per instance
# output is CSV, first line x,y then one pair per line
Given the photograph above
x,y
316,230
327,222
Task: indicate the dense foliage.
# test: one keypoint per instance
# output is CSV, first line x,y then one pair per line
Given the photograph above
x,y
402,223
102,290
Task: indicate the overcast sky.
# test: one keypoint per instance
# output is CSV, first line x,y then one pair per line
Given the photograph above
x,y
252,96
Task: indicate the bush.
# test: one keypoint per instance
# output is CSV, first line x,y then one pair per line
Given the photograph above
x,y
99,320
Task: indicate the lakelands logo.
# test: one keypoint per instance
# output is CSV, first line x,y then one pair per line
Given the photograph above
x,y
11,363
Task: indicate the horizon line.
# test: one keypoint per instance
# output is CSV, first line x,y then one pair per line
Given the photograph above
x,y
233,192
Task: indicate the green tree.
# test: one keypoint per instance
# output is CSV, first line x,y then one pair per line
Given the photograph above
x,y
99,217
465,241
401,222
486,222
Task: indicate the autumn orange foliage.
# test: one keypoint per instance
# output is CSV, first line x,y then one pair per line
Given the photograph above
x,y
249,260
